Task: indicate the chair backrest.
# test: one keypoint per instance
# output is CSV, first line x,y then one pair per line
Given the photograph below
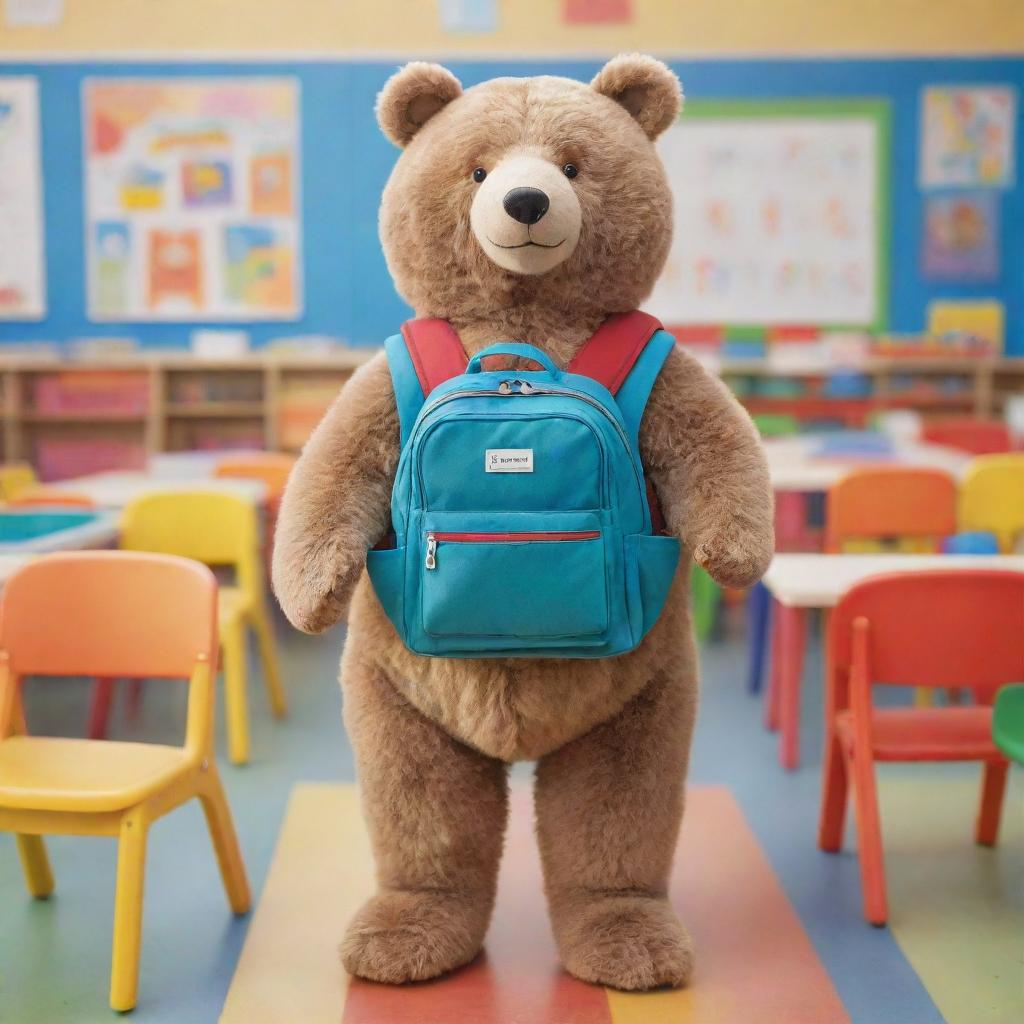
x,y
992,497
270,467
952,627
974,436
890,502
109,613
16,477
38,497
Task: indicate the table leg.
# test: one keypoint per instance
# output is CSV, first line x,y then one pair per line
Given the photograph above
x,y
792,636
758,616
771,697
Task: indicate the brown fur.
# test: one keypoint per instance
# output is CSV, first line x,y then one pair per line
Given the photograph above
x,y
433,736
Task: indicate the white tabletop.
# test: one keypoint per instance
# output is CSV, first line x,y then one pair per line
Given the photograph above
x,y
115,490
192,464
818,581
794,464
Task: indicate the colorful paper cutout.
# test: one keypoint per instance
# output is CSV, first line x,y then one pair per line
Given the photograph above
x,y
175,163
961,237
468,15
967,136
597,12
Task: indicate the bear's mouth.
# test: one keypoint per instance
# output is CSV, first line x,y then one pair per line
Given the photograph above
x,y
523,245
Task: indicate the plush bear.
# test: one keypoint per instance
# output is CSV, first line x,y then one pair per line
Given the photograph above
x,y
434,737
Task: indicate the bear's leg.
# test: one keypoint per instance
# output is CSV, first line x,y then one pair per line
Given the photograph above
x,y
436,812
609,806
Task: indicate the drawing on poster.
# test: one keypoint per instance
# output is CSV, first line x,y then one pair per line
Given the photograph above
x,y
961,237
967,136
22,259
175,168
777,215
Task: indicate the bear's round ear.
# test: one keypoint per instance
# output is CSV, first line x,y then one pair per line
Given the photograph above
x,y
648,90
411,97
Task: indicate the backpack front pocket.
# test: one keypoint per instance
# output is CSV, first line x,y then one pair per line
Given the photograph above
x,y
522,578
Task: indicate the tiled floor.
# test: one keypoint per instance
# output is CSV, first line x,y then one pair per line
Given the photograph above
x,y
54,956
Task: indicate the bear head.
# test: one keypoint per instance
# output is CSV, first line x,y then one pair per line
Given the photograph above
x,y
542,192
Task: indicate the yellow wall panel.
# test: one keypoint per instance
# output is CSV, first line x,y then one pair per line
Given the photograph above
x,y
412,27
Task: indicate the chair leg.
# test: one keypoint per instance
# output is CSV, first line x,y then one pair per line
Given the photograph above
x,y
993,785
759,612
36,865
924,697
131,873
869,838
793,639
775,659
834,788
225,843
236,698
264,630
99,708
135,691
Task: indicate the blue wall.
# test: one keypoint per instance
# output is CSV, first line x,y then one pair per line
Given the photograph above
x,y
346,162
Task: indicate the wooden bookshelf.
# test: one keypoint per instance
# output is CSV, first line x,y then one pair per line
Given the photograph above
x,y
179,402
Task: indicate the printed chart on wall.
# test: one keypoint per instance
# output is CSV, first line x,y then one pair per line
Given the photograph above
x,y
192,205
780,210
22,267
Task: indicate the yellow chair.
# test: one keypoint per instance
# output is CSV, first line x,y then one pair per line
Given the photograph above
x,y
984,319
992,498
108,613
16,477
218,530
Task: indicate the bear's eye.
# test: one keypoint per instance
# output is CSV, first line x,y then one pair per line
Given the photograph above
x,y
479,174
570,170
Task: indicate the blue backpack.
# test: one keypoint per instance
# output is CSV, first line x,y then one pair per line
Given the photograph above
x,y
522,526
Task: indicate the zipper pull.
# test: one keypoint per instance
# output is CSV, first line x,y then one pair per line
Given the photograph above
x,y
504,388
526,388
431,561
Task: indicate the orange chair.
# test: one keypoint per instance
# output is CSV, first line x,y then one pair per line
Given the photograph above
x,y
950,628
110,613
50,497
270,467
975,436
891,503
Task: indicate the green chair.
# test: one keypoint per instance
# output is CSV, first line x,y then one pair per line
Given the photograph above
x,y
706,597
776,424
1008,721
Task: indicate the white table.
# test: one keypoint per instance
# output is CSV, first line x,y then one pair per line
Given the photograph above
x,y
100,532
192,465
794,465
117,489
798,582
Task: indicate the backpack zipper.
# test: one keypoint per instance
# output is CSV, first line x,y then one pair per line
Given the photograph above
x,y
531,537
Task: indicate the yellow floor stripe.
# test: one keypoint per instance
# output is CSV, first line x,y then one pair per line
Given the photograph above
x,y
957,909
321,873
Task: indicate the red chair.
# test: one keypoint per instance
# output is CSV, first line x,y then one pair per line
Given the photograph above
x,y
976,436
950,628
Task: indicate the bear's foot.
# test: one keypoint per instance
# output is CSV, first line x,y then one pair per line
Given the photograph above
x,y
624,941
401,936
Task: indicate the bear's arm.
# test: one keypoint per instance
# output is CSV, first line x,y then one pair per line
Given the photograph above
x,y
337,502
706,461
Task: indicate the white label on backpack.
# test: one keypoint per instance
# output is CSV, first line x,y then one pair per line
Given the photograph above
x,y
508,460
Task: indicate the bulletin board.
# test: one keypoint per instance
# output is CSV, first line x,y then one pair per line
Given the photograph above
x,y
192,198
781,214
22,264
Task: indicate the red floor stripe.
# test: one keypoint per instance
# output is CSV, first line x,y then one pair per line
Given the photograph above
x,y
518,979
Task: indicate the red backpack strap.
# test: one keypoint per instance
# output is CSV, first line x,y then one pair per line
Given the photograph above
x,y
436,352
616,345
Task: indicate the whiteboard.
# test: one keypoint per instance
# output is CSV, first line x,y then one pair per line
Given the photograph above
x,y
778,219
22,261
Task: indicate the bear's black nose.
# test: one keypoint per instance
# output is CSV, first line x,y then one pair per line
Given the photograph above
x,y
526,205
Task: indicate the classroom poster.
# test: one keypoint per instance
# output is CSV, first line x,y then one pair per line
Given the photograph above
x,y
967,136
776,220
468,15
961,237
192,202
597,12
22,261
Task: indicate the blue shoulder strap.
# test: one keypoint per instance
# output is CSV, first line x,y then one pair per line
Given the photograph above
x,y
632,396
408,392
